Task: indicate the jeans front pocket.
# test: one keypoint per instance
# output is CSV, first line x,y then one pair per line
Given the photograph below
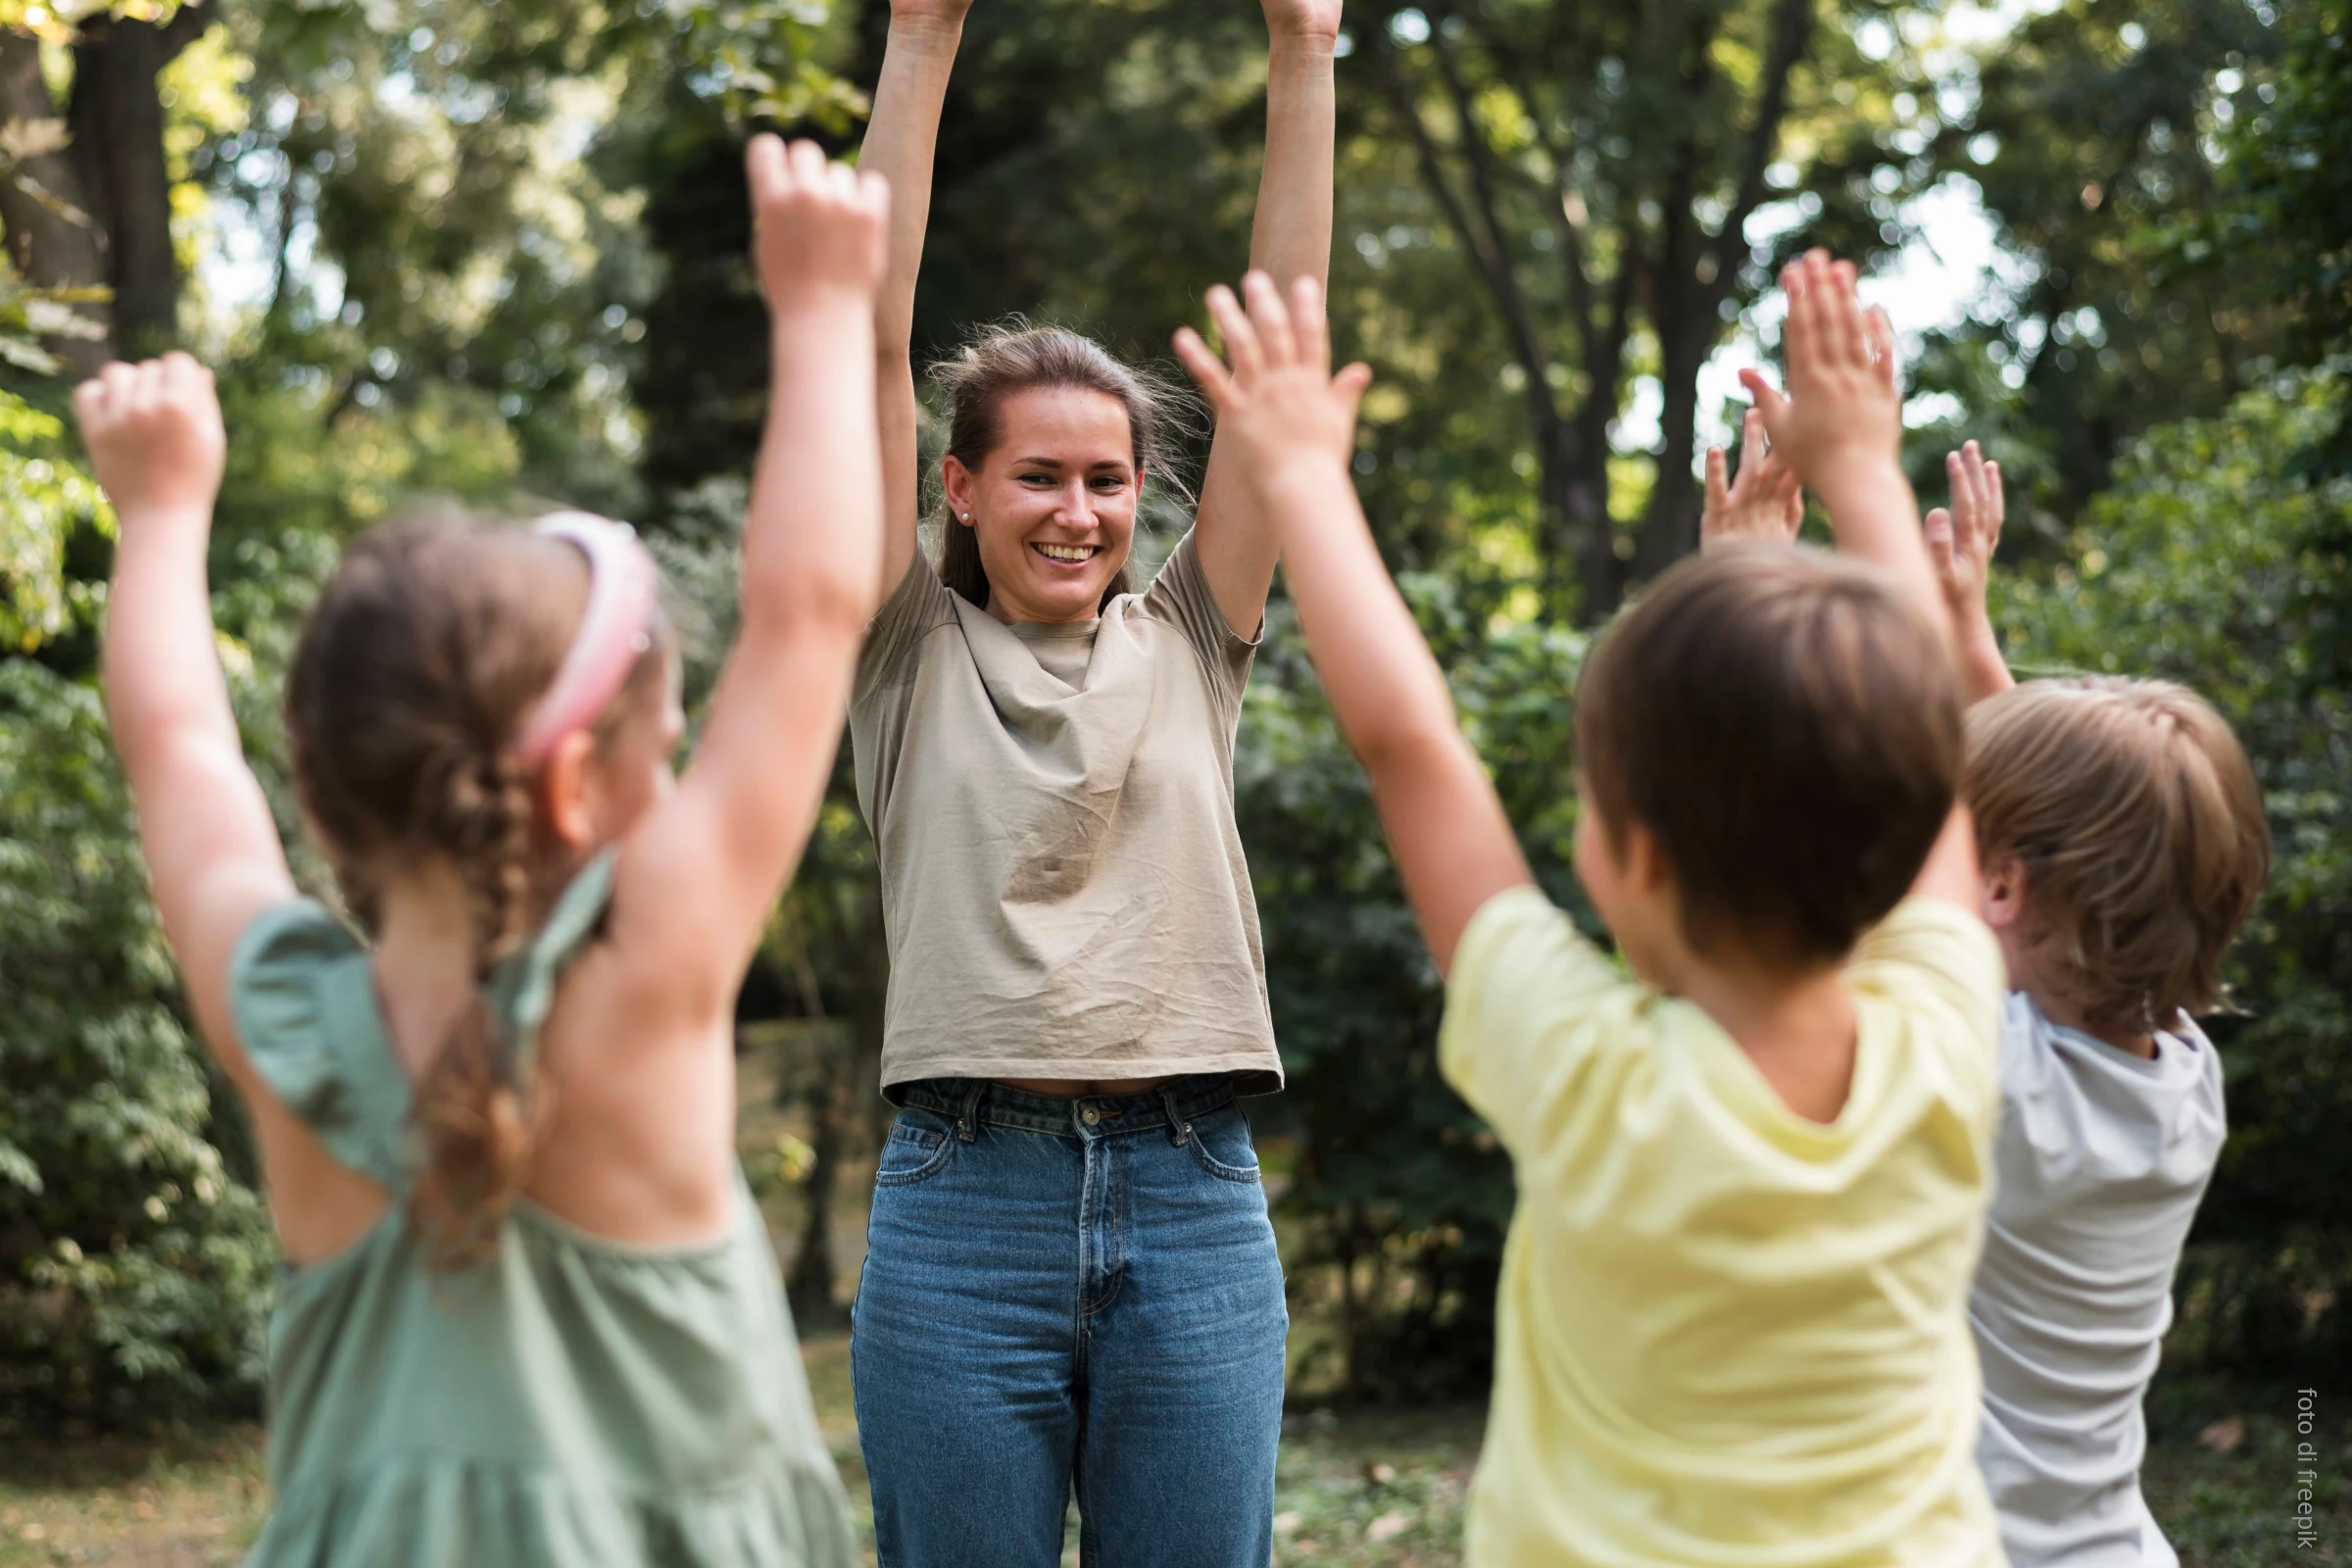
x,y
914,1153
1220,1144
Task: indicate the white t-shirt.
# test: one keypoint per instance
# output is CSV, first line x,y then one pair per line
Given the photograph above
x,y
2101,1161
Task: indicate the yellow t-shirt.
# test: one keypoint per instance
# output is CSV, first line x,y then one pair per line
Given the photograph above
x,y
1727,1335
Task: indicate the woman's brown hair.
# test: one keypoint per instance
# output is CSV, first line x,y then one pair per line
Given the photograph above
x,y
2138,824
1015,358
414,669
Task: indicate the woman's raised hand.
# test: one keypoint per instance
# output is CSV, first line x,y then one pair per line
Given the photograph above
x,y
819,230
949,12
1279,401
1302,19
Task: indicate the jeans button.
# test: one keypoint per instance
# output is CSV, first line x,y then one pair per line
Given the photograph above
x,y
1089,1115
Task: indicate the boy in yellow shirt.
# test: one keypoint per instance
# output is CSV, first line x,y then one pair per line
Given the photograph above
x,y
1752,1174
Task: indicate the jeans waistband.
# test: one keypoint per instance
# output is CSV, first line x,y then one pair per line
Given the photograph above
x,y
968,1101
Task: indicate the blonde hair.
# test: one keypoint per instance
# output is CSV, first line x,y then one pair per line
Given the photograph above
x,y
2136,821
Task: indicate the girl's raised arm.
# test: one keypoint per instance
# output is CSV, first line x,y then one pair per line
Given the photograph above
x,y
1289,238
900,139
212,853
699,875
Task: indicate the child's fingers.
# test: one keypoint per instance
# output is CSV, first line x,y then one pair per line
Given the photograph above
x,y
1310,327
2000,502
1272,319
1719,494
1792,513
1796,332
1879,331
764,168
1937,525
1842,340
1242,351
807,162
1348,387
1769,402
1752,443
1206,369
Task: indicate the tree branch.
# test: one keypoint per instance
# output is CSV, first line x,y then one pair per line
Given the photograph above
x,y
1493,264
1791,37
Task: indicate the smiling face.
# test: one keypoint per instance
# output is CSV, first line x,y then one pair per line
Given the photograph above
x,y
1052,504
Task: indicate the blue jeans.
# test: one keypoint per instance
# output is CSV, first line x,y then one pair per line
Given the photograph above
x,y
1065,1292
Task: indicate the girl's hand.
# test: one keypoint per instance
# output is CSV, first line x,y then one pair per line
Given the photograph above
x,y
1843,412
1962,538
1765,502
1309,19
819,230
154,439
1280,402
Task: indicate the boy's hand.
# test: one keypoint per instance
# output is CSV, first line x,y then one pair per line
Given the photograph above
x,y
1279,401
1765,502
1843,411
1962,538
1312,20
819,230
154,436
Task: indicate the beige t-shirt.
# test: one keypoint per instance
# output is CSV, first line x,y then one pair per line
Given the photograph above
x,y
1062,882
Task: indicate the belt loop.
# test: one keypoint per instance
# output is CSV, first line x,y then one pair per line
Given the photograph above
x,y
968,1119
1178,1128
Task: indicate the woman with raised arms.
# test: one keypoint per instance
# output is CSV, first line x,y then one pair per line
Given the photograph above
x,y
1071,1279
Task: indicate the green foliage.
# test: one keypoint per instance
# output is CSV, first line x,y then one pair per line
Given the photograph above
x,y
1400,1196
2222,560
134,1264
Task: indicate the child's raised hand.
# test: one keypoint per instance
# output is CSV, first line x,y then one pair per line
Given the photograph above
x,y
1962,537
154,434
949,11
1842,407
1279,403
819,230
1764,503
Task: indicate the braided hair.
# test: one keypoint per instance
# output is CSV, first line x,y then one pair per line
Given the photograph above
x,y
414,672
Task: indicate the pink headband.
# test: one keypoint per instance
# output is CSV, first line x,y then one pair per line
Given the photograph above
x,y
615,629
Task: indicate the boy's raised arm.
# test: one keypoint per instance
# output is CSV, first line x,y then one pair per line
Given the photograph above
x,y
212,848
1289,424
1839,428
1961,539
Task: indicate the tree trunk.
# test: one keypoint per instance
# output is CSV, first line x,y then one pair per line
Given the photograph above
x,y
1670,525
117,123
810,1288
48,246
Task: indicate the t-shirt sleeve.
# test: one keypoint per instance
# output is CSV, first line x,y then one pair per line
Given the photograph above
x,y
1181,595
919,604
1943,965
1529,1005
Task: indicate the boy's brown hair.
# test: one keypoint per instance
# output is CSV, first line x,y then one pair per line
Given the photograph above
x,y
2132,810
1786,724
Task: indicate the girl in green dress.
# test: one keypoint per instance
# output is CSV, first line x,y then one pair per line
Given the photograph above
x,y
530,1315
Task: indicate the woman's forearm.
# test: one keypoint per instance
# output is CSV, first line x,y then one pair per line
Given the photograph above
x,y
900,140
1290,234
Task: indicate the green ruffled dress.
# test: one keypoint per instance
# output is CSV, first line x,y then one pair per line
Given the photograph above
x,y
566,1401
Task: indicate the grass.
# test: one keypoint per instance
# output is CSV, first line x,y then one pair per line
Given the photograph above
x,y
1367,1491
